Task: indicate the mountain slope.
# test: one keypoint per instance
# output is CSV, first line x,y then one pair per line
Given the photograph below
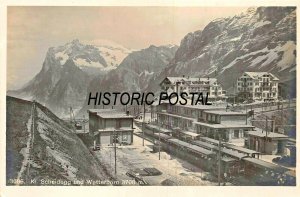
x,y
135,71
41,146
66,73
260,39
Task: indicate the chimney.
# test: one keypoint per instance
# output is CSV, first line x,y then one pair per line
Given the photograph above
x,y
183,76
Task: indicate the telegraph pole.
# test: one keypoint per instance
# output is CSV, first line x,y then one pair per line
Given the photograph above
x,y
219,160
151,111
273,124
233,94
266,132
143,127
246,115
115,149
159,143
83,123
281,114
266,126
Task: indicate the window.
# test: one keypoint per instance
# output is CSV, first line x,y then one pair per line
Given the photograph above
x,y
236,133
124,136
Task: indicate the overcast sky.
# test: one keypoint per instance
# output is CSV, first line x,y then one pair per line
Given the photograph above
x,y
32,30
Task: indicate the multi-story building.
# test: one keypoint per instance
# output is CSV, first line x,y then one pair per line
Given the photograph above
x,y
261,86
192,84
107,124
189,122
230,126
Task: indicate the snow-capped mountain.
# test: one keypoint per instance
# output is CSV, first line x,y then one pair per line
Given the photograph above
x,y
259,39
135,72
137,68
68,70
92,59
112,52
66,73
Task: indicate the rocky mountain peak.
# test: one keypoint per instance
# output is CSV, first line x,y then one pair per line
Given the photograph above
x,y
258,39
92,59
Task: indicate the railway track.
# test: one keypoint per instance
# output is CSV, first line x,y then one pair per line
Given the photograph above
x,y
32,132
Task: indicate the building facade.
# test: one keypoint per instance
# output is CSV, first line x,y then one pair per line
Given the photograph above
x,y
189,122
231,127
192,84
256,86
107,124
268,143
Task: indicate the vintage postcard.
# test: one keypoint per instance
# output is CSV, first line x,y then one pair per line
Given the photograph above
x,y
151,96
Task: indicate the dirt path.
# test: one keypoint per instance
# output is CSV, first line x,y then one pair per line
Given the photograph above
x,y
26,151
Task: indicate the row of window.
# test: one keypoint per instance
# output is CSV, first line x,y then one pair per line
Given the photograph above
x,y
265,94
250,84
234,134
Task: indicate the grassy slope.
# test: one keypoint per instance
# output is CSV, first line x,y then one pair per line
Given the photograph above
x,y
17,115
57,152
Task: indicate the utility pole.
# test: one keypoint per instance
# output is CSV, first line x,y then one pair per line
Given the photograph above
x,y
83,123
159,143
246,115
70,114
273,124
219,160
151,113
282,114
233,94
266,132
115,149
267,126
143,127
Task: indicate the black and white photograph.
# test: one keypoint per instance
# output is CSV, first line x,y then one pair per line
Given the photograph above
x,y
150,96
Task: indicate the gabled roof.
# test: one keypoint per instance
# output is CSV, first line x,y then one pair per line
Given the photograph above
x,y
109,113
255,75
223,112
192,79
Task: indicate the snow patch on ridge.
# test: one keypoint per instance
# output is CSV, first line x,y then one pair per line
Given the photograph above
x,y
62,57
82,62
269,55
261,23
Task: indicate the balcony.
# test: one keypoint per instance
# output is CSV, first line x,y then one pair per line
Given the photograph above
x,y
266,84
